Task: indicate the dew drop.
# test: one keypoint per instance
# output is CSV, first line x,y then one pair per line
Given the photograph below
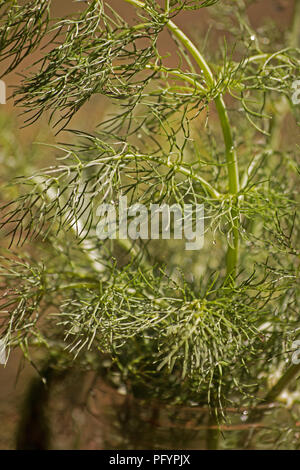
x,y
244,416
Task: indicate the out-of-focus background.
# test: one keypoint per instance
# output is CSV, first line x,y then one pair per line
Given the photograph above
x,y
84,411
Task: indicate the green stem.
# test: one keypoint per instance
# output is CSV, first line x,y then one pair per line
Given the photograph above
x,y
213,433
234,187
294,38
187,43
179,75
179,168
282,383
212,191
167,6
231,157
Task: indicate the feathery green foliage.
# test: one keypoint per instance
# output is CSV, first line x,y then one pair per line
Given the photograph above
x,y
220,327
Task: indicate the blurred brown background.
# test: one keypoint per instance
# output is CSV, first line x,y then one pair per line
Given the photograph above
x,y
12,383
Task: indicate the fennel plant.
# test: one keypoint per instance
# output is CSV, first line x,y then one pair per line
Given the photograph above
x,y
210,326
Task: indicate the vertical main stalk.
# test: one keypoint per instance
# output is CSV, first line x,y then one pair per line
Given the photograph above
x,y
233,186
231,157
